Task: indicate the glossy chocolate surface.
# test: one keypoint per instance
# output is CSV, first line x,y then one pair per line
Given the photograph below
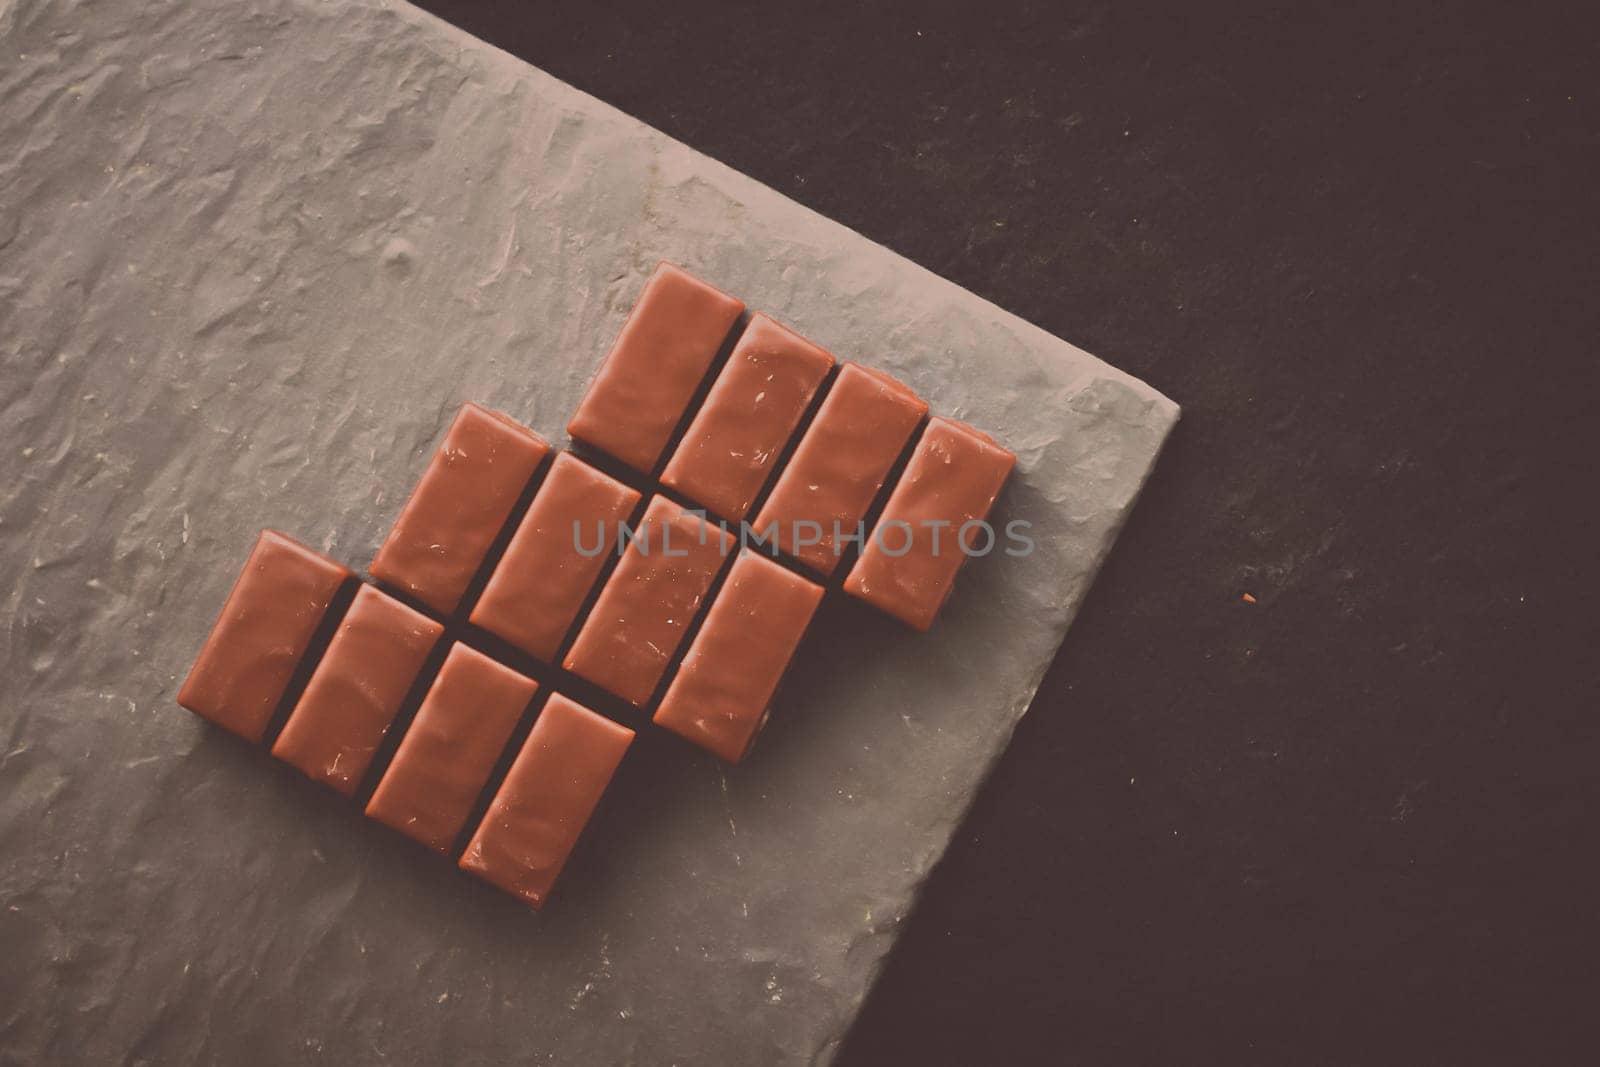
x,y
661,356
720,695
953,478
451,747
459,506
263,631
547,798
747,418
356,690
549,567
840,464
649,601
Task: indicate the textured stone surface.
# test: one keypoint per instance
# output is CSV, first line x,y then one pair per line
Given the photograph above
x,y
254,256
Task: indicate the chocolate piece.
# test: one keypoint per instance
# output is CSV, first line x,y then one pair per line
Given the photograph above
x,y
663,353
554,557
752,408
649,601
263,631
829,484
547,797
720,695
356,690
910,560
452,745
460,505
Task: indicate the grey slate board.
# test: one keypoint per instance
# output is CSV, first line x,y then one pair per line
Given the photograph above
x,y
252,256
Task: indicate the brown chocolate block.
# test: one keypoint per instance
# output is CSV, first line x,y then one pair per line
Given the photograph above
x,y
649,601
356,690
555,556
663,353
547,798
720,695
838,468
265,627
459,507
452,745
747,418
911,558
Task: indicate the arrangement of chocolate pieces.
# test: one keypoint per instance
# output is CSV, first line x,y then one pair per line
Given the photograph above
x,y
600,582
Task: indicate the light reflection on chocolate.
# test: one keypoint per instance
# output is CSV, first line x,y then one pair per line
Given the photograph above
x,y
649,601
659,359
356,690
748,416
471,708
841,462
720,694
264,630
545,575
909,564
546,799
459,506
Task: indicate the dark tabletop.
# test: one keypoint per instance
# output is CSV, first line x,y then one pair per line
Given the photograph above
x,y
1312,779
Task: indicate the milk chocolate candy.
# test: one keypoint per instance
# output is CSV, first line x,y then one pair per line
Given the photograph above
x,y
356,690
748,416
459,507
911,557
549,794
649,601
451,747
261,635
720,695
663,353
836,471
558,551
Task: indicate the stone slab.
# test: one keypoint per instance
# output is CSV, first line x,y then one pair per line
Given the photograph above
x,y
252,257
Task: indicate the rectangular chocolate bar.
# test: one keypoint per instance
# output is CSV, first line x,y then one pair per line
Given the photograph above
x,y
658,362
547,798
558,551
451,747
720,695
752,409
935,516
261,635
459,506
836,471
356,690
649,601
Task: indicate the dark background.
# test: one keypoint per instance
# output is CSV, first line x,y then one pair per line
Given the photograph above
x,y
1347,823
